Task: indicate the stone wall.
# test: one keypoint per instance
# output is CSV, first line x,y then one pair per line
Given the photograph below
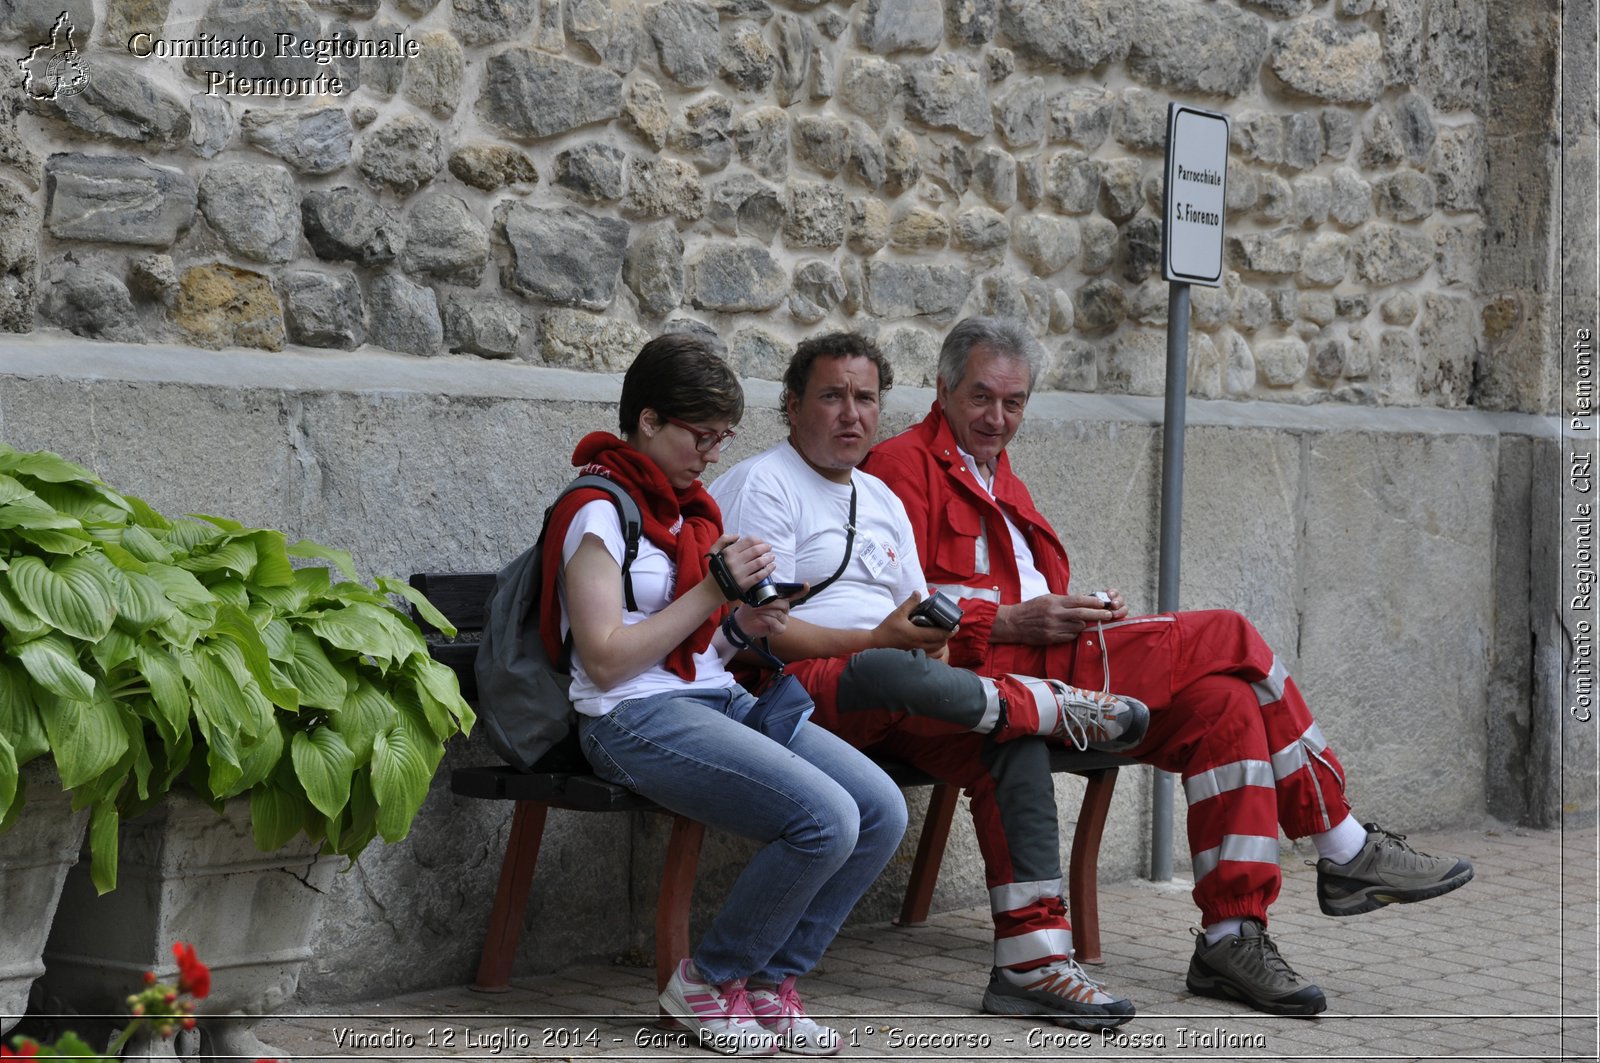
x,y
554,180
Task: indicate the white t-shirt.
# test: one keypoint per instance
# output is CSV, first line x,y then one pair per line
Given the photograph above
x,y
1030,579
653,573
777,497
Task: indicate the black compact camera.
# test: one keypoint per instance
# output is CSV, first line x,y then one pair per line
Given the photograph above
x,y
937,610
760,594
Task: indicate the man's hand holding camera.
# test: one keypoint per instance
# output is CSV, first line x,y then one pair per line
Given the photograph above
x,y
1053,618
900,631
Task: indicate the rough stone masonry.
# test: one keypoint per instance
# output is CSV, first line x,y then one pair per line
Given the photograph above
x,y
550,180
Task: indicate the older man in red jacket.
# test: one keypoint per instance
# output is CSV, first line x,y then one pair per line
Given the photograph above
x,y
1223,711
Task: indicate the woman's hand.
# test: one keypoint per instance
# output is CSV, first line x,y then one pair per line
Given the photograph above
x,y
761,622
748,561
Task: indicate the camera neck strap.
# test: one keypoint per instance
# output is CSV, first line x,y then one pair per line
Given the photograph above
x,y
849,545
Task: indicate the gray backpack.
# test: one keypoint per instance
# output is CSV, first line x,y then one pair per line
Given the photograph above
x,y
523,701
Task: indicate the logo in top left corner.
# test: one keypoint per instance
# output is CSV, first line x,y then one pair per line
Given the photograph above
x,y
55,68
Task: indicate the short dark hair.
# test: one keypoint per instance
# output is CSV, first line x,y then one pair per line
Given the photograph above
x,y
831,345
679,375
999,334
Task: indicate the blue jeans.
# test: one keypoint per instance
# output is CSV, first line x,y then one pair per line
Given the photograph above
x,y
830,819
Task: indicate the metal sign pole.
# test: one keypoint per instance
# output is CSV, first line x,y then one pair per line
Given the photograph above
x,y
1172,426
1194,210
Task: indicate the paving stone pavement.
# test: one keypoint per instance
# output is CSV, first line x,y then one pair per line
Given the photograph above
x,y
1505,968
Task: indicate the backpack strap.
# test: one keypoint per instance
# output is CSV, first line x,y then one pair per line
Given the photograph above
x,y
627,513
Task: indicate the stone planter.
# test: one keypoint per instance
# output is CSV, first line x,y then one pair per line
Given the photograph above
x,y
34,857
188,874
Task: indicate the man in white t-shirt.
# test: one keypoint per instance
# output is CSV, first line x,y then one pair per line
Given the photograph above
x,y
878,677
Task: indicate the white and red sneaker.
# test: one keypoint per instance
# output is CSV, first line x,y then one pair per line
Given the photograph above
x,y
780,1011
718,1015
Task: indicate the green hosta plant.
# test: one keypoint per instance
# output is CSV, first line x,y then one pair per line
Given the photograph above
x,y
141,653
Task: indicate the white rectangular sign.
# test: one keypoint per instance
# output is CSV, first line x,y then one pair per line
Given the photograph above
x,y
1194,195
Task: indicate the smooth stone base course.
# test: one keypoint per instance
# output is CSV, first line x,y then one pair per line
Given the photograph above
x,y
35,855
1362,542
187,873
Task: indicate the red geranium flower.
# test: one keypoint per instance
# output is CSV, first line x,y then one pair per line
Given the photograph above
x,y
194,977
28,1050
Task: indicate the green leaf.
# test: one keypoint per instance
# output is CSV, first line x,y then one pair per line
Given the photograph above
x,y
140,543
51,468
181,630
275,816
52,660
323,763
168,693
115,649
361,629
56,542
186,535
320,682
237,556
139,762
18,619
400,777
87,737
227,524
224,769
340,558
438,684
233,623
183,590
143,603
257,760
8,775
359,825
277,634
145,515
230,590
20,722
74,595
217,698
225,695
425,608
350,593
366,714
20,507
102,871
272,560
87,502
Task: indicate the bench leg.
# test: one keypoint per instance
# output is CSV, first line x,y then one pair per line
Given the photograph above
x,y
1083,878
930,854
672,905
511,897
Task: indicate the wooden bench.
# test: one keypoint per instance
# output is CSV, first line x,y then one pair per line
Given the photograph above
x,y
564,781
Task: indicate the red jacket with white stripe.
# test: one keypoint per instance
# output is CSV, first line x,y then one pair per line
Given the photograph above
x,y
961,533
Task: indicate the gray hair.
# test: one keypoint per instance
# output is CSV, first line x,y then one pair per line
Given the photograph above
x,y
1001,335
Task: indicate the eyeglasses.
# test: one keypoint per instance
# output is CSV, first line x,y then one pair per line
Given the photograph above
x,y
704,440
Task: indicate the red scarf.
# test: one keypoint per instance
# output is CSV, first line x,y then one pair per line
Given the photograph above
x,y
684,524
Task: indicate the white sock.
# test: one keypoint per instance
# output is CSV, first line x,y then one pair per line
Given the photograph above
x,y
1343,842
1219,930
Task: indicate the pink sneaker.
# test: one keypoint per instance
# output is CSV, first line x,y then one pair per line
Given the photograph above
x,y
780,1011
718,1015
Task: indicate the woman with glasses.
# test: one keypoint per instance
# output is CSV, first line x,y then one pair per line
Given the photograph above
x,y
660,714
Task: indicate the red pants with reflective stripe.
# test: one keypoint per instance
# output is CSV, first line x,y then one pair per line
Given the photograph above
x,y
1011,797
1226,717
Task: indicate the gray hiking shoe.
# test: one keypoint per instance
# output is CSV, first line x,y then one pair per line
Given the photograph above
x,y
1093,719
1386,871
1246,967
1060,992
